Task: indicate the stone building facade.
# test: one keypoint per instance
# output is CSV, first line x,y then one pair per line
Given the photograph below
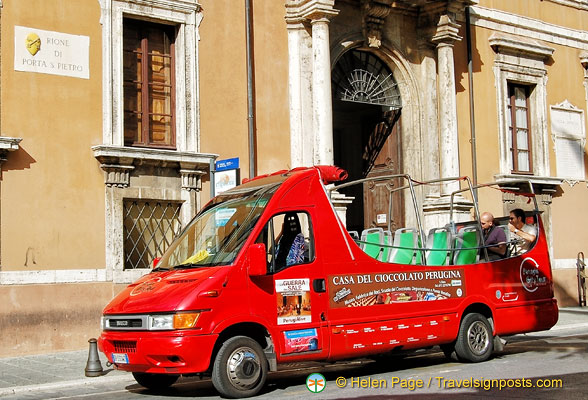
x,y
105,157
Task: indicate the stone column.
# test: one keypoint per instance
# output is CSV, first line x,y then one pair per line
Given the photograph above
x,y
321,90
437,206
300,92
584,62
445,36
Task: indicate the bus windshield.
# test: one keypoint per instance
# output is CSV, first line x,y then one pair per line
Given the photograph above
x,y
217,234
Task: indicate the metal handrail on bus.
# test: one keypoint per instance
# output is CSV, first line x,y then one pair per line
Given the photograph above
x,y
412,183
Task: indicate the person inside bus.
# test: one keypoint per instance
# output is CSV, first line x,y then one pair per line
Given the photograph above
x,y
525,234
494,238
291,246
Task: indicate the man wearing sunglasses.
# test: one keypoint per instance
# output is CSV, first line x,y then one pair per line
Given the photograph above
x,y
524,233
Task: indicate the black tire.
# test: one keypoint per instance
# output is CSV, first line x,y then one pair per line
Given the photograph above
x,y
474,341
449,350
240,368
155,381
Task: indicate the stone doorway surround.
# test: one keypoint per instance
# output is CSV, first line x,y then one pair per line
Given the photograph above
x,y
320,30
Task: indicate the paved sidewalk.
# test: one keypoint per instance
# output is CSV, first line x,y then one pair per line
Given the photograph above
x,y
35,372
58,370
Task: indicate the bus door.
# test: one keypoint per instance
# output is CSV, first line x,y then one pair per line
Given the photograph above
x,y
293,299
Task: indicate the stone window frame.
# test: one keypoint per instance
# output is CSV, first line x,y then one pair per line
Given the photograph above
x,y
149,173
186,16
522,61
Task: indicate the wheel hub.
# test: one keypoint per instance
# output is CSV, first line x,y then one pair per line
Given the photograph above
x,y
243,368
478,338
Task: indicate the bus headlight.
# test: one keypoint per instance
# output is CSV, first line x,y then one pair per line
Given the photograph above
x,y
161,322
173,321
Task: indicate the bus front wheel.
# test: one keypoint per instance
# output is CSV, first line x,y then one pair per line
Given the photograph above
x,y
240,368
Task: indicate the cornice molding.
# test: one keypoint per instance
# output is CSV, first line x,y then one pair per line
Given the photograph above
x,y
304,10
118,164
186,6
502,43
521,26
578,4
7,145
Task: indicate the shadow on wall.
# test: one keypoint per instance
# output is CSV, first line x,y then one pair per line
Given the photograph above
x,y
17,160
565,296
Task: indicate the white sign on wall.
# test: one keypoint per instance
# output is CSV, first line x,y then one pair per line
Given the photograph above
x,y
47,52
569,134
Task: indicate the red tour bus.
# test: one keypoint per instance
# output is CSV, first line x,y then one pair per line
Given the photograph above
x,y
267,273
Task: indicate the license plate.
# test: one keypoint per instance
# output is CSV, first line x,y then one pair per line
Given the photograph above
x,y
120,358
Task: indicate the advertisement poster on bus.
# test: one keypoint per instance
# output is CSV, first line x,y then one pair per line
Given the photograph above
x,y
293,301
355,290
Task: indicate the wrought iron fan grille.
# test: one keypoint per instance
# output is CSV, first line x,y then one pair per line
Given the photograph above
x,y
363,78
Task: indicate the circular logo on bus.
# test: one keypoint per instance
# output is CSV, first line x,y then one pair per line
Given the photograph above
x,y
146,286
530,274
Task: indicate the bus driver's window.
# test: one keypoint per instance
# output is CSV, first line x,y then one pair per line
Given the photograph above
x,y
288,240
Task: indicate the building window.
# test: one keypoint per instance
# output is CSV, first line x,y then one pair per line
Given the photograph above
x,y
519,133
149,228
148,84
520,73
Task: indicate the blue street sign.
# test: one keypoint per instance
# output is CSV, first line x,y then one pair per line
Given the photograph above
x,y
229,163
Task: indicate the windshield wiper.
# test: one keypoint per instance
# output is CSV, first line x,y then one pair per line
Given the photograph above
x,y
179,266
186,266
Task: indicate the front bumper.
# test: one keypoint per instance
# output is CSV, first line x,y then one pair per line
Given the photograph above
x,y
158,352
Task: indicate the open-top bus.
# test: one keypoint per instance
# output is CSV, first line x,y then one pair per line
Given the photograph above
x,y
267,273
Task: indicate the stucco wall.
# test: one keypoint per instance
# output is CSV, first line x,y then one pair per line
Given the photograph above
x,y
223,83
38,319
52,205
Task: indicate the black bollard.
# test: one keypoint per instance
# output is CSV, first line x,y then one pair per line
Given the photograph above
x,y
93,366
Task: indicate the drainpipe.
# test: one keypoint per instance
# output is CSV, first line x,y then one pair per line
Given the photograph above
x,y
250,91
471,90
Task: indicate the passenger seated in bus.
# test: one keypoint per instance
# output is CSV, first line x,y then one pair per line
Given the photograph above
x,y
291,245
494,238
524,233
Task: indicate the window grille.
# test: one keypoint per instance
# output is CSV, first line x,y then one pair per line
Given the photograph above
x,y
149,228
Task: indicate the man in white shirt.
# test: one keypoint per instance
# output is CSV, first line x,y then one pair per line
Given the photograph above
x,y
525,234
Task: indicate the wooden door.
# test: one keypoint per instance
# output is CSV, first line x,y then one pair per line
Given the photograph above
x,y
382,156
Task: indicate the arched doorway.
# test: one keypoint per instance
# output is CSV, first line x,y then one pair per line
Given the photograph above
x,y
366,137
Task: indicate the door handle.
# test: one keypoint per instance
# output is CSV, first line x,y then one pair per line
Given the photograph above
x,y
319,285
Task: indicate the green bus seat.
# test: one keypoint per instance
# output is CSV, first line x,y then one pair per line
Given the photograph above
x,y
439,246
387,246
466,246
371,242
405,244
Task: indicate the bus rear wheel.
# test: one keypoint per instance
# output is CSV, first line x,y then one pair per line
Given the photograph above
x,y
240,368
474,341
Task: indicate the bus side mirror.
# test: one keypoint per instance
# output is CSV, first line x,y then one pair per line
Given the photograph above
x,y
257,260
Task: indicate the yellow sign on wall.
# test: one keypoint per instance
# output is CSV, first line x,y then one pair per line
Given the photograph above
x,y
48,52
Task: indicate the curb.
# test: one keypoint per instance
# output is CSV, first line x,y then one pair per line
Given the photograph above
x,y
577,310
63,384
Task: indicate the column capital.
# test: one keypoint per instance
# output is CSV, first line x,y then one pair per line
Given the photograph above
x,y
298,11
447,31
